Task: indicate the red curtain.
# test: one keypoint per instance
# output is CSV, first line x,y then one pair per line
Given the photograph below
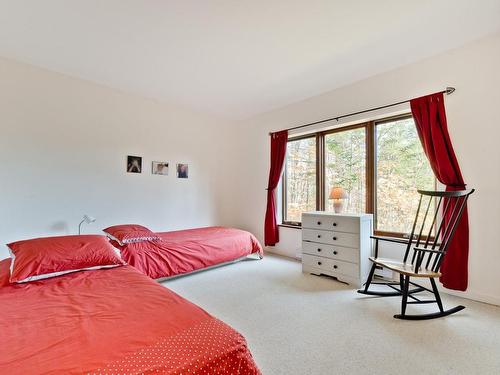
x,y
430,118
278,152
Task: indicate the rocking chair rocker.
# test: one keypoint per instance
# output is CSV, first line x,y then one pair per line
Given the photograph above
x,y
427,252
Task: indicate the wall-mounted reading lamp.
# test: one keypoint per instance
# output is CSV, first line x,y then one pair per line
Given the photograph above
x,y
86,219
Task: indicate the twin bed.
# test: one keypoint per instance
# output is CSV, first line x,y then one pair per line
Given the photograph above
x,y
113,318
185,251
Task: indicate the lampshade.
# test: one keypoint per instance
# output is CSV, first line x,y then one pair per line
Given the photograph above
x,y
338,193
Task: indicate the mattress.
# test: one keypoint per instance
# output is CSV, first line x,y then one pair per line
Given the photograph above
x,y
111,321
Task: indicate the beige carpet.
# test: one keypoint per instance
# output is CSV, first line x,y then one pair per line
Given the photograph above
x,y
303,324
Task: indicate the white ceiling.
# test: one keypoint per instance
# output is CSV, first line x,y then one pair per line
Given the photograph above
x,y
235,58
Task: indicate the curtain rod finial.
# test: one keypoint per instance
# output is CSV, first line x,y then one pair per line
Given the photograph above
x,y
450,90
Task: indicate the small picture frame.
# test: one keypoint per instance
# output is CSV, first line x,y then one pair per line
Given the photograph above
x,y
134,164
182,170
160,168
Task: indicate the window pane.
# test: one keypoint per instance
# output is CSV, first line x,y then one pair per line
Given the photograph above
x,y
402,168
345,166
300,178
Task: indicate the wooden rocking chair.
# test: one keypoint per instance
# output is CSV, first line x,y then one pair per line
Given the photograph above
x,y
427,252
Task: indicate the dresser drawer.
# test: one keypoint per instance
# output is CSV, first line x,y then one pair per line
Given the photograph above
x,y
331,222
347,254
331,266
332,238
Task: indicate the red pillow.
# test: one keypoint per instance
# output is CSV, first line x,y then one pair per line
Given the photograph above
x,y
4,272
128,233
41,258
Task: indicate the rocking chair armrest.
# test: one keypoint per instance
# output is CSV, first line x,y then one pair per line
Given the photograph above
x,y
387,239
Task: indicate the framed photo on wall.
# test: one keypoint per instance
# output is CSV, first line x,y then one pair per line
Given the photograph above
x,y
182,170
160,167
134,164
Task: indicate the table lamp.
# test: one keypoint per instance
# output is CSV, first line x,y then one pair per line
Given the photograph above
x,y
86,219
338,195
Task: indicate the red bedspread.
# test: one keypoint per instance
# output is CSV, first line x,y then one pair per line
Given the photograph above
x,y
113,321
189,250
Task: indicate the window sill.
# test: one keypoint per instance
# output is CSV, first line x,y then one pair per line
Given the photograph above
x,y
290,226
375,232
384,233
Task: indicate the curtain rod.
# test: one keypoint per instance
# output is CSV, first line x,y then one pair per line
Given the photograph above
x,y
447,91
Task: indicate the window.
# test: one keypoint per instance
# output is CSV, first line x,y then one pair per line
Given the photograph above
x,y
345,166
401,168
380,165
300,179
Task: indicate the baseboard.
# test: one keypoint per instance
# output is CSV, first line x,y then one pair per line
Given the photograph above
x,y
474,296
287,254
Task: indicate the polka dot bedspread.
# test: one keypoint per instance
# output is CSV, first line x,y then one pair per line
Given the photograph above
x,y
212,347
112,321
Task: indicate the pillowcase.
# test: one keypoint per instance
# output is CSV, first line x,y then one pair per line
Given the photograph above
x,y
41,258
4,272
129,233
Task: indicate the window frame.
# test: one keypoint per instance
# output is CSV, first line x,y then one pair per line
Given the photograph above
x,y
371,169
368,159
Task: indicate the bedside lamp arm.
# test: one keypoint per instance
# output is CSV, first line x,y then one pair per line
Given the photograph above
x,y
80,227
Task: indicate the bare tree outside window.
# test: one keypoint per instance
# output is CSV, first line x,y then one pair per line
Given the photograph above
x,y
345,159
300,178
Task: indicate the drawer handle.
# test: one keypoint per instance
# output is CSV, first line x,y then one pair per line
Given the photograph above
x,y
319,263
319,222
319,250
334,252
319,235
335,238
335,266
334,224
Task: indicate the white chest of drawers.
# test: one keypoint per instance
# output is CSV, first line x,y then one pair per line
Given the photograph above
x,y
337,245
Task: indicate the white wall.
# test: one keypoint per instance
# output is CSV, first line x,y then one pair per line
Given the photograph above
x,y
63,148
474,125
